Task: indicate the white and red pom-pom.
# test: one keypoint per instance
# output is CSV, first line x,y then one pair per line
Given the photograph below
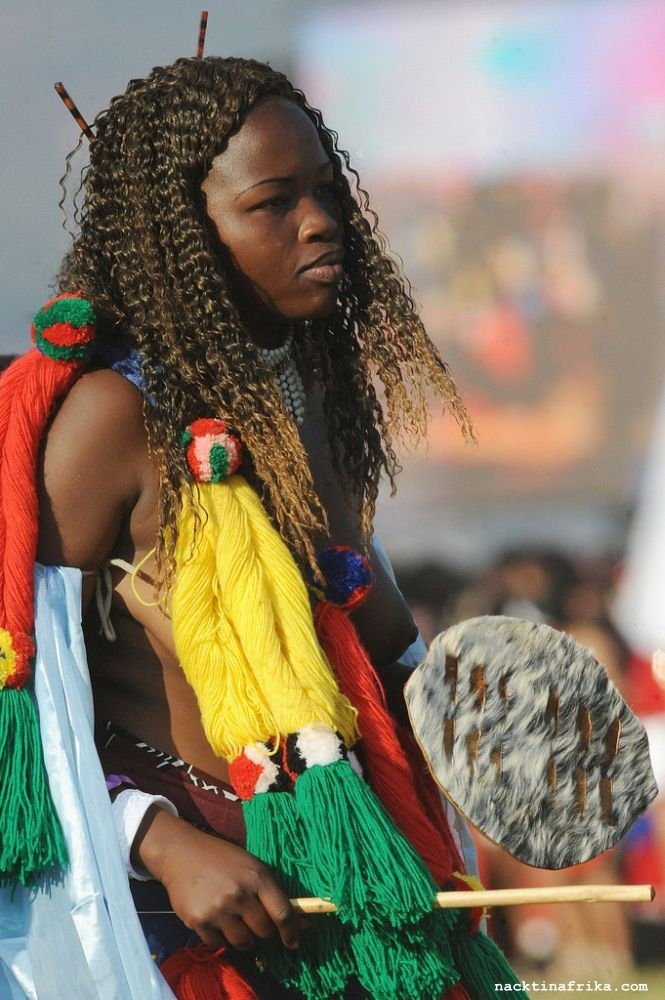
x,y
254,771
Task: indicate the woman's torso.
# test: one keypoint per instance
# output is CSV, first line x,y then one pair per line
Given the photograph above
x,y
137,680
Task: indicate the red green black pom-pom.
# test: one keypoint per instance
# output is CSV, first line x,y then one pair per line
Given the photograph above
x,y
64,329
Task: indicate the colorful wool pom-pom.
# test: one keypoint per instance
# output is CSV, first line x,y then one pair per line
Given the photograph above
x,y
348,576
213,451
17,655
64,329
7,657
258,769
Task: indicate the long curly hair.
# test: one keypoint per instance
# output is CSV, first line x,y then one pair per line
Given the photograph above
x,y
148,260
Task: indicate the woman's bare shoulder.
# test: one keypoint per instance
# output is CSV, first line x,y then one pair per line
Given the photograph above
x,y
92,469
101,395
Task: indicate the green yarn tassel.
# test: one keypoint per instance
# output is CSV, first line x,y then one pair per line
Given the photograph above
x,y
31,840
382,889
358,856
481,964
320,967
332,838
410,964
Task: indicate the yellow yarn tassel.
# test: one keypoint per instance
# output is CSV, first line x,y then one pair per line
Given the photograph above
x,y
243,627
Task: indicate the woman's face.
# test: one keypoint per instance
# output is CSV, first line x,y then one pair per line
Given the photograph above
x,y
270,196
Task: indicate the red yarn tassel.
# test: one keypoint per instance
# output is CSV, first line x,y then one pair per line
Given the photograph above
x,y
29,390
427,789
389,770
201,973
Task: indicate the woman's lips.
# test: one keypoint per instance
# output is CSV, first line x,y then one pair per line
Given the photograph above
x,y
329,274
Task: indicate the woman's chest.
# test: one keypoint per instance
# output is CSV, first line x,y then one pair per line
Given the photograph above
x,y
341,507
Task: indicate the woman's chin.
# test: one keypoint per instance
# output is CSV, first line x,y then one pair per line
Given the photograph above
x,y
323,308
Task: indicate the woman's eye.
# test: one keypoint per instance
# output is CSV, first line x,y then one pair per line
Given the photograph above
x,y
328,190
276,202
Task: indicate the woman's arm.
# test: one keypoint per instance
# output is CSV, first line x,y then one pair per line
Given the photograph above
x,y
217,889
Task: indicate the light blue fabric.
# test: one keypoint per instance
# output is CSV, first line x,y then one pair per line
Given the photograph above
x,y
80,938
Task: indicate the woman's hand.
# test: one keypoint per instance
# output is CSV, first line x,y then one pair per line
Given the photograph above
x,y
220,892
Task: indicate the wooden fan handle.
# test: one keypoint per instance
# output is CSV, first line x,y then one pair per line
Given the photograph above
x,y
513,897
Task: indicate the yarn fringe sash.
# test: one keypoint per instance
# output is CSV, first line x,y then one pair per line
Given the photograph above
x,y
480,963
245,636
31,839
242,626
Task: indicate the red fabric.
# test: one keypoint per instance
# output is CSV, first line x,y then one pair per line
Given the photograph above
x,y
199,797
390,771
201,973
643,692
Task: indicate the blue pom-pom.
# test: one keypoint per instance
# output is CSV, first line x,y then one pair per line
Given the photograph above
x,y
347,574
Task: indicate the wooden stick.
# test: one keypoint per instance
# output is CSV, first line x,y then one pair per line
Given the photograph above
x,y
62,93
203,24
512,897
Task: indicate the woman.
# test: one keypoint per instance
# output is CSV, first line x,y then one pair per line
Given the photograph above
x,y
234,274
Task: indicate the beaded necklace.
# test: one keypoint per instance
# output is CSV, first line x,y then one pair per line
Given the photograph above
x,y
282,362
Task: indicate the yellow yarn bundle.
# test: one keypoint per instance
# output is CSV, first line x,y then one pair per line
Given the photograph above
x,y
243,626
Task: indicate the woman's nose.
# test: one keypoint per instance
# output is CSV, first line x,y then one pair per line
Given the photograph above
x,y
318,221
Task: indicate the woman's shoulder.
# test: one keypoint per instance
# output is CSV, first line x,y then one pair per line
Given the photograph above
x,y
101,395
92,469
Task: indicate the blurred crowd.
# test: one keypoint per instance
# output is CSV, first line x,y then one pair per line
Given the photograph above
x,y
572,940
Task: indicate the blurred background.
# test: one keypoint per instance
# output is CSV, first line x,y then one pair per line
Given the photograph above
x,y
515,152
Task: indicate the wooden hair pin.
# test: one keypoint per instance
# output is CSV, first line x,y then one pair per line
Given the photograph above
x,y
64,96
62,93
202,34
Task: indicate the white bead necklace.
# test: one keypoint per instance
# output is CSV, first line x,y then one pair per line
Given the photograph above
x,y
288,377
